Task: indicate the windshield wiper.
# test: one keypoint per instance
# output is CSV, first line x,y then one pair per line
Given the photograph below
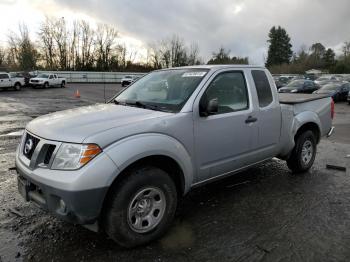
x,y
142,105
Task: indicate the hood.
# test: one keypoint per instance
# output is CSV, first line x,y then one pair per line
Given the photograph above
x,y
74,125
287,89
38,78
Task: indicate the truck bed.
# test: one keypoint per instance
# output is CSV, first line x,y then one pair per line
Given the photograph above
x,y
290,98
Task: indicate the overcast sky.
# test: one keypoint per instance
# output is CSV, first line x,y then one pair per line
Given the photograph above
x,y
238,25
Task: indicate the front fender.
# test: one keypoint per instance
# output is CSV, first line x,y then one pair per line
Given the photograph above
x,y
133,148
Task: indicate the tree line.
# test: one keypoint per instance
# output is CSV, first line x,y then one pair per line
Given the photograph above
x,y
281,58
83,47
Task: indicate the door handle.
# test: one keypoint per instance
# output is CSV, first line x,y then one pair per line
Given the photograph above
x,y
251,119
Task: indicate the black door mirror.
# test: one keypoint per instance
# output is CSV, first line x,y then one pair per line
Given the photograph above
x,y
211,108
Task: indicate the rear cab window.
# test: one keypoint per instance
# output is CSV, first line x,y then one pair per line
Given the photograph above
x,y
263,88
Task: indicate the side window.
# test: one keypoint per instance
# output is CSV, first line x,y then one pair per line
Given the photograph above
x,y
230,90
51,77
309,84
263,88
4,76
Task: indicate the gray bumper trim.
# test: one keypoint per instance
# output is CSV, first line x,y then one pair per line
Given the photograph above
x,y
330,132
82,207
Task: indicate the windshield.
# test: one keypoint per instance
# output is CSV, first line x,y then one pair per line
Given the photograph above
x,y
296,83
330,87
166,90
43,76
127,77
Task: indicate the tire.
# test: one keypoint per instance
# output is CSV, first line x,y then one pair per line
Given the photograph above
x,y
46,85
17,87
63,84
304,153
148,190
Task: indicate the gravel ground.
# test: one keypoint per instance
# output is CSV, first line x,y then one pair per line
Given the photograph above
x,y
263,214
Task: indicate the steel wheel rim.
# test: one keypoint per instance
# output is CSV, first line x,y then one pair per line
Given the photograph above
x,y
307,152
146,209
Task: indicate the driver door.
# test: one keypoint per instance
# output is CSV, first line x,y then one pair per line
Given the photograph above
x,y
223,141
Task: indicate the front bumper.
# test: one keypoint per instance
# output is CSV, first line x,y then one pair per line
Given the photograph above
x,y
81,192
36,84
78,207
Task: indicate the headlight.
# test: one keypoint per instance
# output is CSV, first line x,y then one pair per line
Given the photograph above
x,y
74,156
294,91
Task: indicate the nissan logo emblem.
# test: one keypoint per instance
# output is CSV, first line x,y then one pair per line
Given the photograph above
x,y
28,146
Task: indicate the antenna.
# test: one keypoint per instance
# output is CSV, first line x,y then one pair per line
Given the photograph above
x,y
104,86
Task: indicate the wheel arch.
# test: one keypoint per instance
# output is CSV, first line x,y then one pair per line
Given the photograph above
x,y
155,149
313,127
307,120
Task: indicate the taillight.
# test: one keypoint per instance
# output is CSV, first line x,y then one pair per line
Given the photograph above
x,y
332,108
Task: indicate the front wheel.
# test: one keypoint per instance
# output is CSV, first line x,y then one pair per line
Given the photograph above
x,y
46,85
304,153
141,207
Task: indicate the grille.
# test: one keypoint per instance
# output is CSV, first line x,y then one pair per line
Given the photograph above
x,y
48,154
29,146
34,81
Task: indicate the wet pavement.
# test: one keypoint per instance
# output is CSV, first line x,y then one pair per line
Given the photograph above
x,y
263,214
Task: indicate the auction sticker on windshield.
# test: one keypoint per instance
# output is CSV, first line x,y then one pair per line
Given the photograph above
x,y
194,74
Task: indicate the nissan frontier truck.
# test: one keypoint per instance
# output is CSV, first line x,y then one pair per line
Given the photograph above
x,y
122,167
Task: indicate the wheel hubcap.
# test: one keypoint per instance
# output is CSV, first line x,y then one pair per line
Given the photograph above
x,y
146,209
307,152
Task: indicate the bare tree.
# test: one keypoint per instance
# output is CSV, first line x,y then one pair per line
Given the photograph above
x,y
346,49
193,56
106,36
22,52
60,36
2,55
47,43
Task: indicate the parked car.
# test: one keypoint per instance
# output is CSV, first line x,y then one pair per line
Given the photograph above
x,y
7,81
323,80
121,167
127,80
281,81
45,80
299,86
339,91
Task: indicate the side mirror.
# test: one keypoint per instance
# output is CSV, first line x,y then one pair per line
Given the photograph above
x,y
211,108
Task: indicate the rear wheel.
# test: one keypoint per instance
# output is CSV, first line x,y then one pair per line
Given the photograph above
x,y
304,153
17,87
63,84
141,207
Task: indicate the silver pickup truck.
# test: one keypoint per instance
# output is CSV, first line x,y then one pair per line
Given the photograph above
x,y
122,166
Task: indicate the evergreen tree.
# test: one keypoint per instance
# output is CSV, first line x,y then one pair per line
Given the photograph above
x,y
280,49
329,58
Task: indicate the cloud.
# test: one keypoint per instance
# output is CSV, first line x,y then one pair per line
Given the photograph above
x,y
239,25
